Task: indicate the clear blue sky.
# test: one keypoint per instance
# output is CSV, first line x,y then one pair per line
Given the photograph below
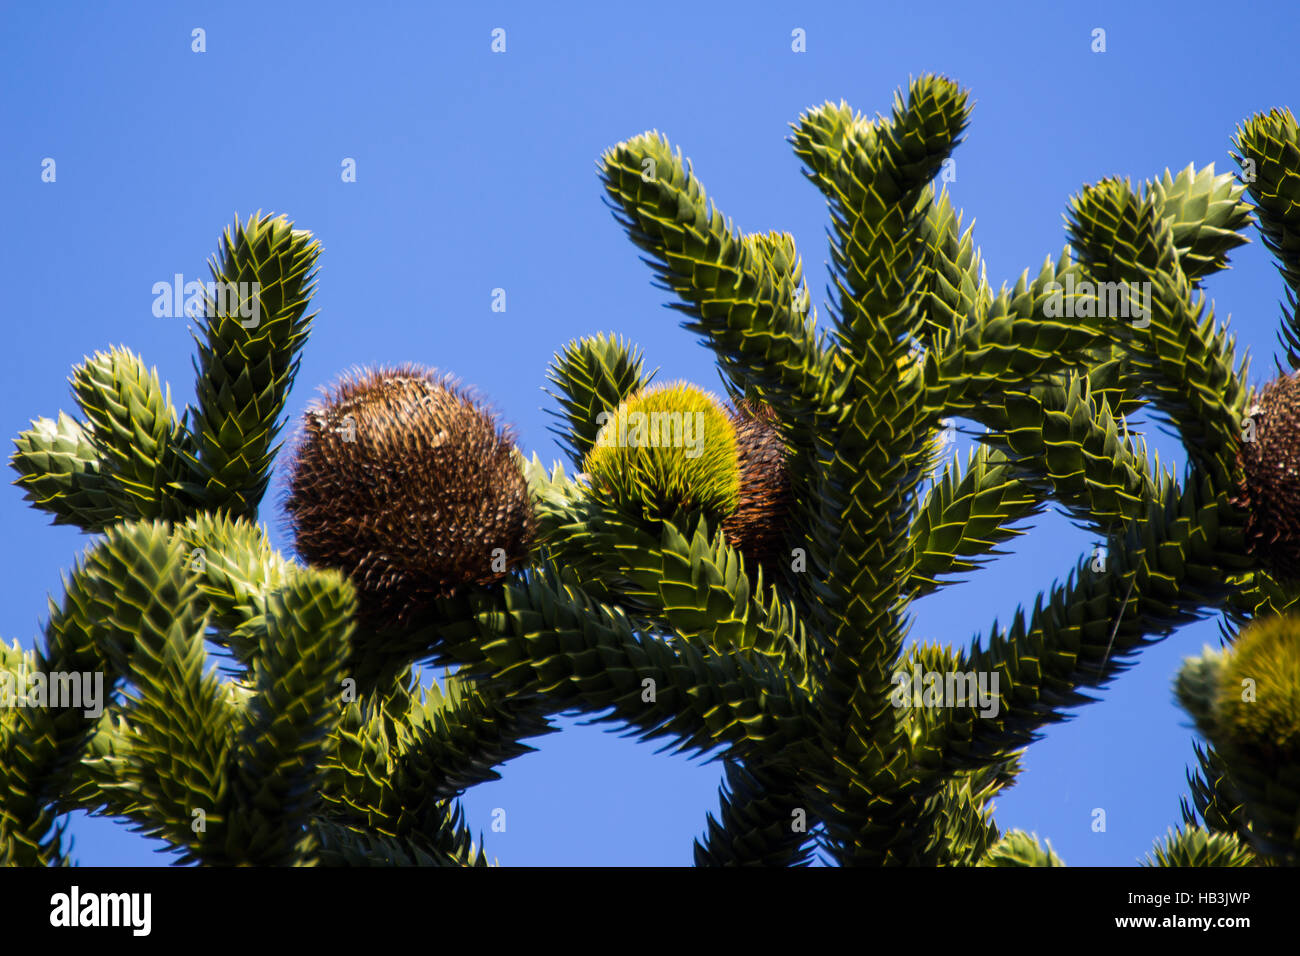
x,y
476,171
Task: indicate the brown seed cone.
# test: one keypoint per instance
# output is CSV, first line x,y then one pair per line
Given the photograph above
x,y
757,527
407,486
1270,493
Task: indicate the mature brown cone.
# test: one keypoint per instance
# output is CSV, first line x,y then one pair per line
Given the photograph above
x,y
756,528
407,486
1270,494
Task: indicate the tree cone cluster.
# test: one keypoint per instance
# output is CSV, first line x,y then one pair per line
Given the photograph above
x,y
757,527
407,486
1270,494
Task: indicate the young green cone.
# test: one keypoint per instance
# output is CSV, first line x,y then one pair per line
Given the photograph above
x,y
668,448
1257,708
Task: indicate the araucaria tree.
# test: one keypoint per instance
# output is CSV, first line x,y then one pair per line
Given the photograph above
x,y
732,574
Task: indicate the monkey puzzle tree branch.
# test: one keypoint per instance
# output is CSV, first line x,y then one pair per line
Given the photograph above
x,y
290,725
1167,572
544,636
1028,333
1194,846
395,770
952,279
248,354
1184,361
1065,442
594,376
1268,149
965,515
743,294
450,845
871,450
1205,213
59,471
129,612
762,821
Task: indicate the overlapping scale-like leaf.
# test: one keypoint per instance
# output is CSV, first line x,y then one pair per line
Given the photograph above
x,y
1268,150
1019,848
133,427
965,516
594,375
1206,215
1194,846
59,471
248,354
1184,359
544,636
289,726
754,317
762,821
1166,571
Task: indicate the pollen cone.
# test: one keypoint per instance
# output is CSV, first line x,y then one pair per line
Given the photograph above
x,y
757,526
1270,494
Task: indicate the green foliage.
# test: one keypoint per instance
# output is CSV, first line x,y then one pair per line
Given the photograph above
x,y
1183,358
1197,847
59,470
1205,214
1050,366
1019,848
278,764
133,430
754,317
593,375
761,822
247,362
318,746
1268,149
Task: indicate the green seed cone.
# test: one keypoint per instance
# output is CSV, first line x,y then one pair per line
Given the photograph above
x,y
1264,664
668,448
407,486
